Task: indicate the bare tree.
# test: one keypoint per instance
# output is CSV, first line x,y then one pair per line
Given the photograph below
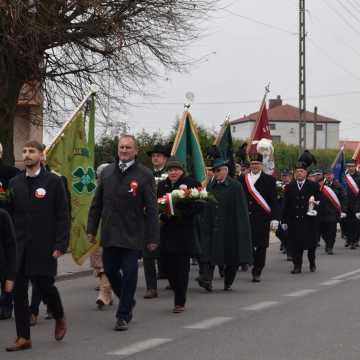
x,y
65,46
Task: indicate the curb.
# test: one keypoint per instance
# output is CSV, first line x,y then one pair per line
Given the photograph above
x,y
74,275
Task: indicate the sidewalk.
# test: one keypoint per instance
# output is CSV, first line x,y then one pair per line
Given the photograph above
x,y
68,269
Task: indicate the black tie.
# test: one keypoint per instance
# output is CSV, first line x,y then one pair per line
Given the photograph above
x,y
122,167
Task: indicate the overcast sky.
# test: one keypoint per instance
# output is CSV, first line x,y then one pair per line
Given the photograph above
x,y
245,55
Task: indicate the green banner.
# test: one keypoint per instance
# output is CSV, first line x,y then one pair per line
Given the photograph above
x,y
72,155
224,144
187,148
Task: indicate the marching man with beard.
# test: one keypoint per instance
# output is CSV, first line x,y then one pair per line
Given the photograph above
x,y
260,190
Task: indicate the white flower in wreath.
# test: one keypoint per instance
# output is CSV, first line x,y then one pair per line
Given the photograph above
x,y
180,194
183,187
194,193
203,194
163,176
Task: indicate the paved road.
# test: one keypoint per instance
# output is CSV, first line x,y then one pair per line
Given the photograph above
x,y
285,317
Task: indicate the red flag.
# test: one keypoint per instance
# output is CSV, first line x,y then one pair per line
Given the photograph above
x,y
356,156
260,130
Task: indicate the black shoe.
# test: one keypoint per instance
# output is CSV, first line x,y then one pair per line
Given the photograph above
x,y
5,312
205,284
121,325
312,268
296,271
256,279
353,247
227,288
347,244
330,252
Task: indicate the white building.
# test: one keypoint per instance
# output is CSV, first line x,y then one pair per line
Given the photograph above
x,y
284,126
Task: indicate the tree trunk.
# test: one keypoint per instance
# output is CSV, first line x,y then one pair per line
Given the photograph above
x,y
10,86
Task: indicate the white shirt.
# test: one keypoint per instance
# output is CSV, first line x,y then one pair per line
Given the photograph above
x,y
35,175
254,177
127,165
300,184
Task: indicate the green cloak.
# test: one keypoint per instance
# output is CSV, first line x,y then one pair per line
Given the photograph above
x,y
231,239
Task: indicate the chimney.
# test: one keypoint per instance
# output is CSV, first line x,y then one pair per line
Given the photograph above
x,y
275,102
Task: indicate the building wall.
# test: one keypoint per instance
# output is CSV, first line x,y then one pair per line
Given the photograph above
x,y
288,133
28,126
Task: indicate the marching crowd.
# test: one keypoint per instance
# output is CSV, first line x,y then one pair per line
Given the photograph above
x,y
232,231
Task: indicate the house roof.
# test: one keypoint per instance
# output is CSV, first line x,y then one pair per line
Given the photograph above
x,y
285,113
349,144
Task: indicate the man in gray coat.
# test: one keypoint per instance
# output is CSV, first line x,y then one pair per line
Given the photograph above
x,y
126,203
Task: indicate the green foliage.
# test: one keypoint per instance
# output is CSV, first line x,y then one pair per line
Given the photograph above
x,y
286,156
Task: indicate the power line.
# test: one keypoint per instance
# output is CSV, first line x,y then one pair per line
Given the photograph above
x,y
348,11
332,8
234,102
329,58
271,26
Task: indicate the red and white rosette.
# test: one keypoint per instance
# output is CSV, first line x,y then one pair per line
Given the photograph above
x,y
134,185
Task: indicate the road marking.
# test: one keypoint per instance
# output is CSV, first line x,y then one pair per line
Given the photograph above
x,y
342,276
209,323
301,293
261,305
140,346
331,282
356,277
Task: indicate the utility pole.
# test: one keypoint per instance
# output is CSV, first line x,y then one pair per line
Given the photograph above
x,y
315,126
302,78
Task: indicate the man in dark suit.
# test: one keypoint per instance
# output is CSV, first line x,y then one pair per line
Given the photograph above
x,y
260,190
7,259
126,203
301,195
332,208
351,223
41,217
159,155
7,172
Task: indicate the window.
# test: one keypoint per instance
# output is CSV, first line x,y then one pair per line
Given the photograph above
x,y
234,129
318,127
276,139
272,126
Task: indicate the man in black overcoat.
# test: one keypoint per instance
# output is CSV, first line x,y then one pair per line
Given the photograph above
x,y
125,201
332,208
261,194
7,172
159,155
7,262
41,217
351,223
302,225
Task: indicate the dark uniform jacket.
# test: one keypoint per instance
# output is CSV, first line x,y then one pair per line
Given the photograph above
x,y
327,211
231,241
352,199
303,229
177,234
6,174
41,218
7,247
259,218
128,219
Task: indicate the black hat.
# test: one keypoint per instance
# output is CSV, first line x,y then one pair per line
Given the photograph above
x,y
219,163
307,158
351,162
285,172
328,171
159,149
173,162
245,164
256,157
212,153
300,165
